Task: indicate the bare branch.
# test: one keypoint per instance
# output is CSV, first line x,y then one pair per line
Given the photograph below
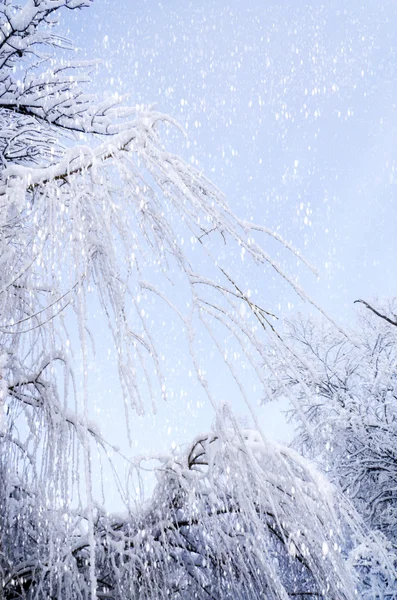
x,y
376,312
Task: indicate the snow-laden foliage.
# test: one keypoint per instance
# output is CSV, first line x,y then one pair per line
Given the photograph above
x,y
113,213
231,517
345,405
91,201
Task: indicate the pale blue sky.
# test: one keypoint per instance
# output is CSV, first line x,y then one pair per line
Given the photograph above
x,y
291,111
273,85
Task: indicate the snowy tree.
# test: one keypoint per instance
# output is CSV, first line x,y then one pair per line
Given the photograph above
x,y
343,390
224,522
91,201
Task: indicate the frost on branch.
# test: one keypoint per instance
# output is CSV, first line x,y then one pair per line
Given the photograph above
x,y
344,393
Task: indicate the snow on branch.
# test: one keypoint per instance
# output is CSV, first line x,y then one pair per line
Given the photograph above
x,y
232,517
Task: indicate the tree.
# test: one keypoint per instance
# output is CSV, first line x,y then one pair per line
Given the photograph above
x,y
90,200
232,517
345,406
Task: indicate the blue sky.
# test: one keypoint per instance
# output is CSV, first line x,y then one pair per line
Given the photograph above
x,y
291,111
287,109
